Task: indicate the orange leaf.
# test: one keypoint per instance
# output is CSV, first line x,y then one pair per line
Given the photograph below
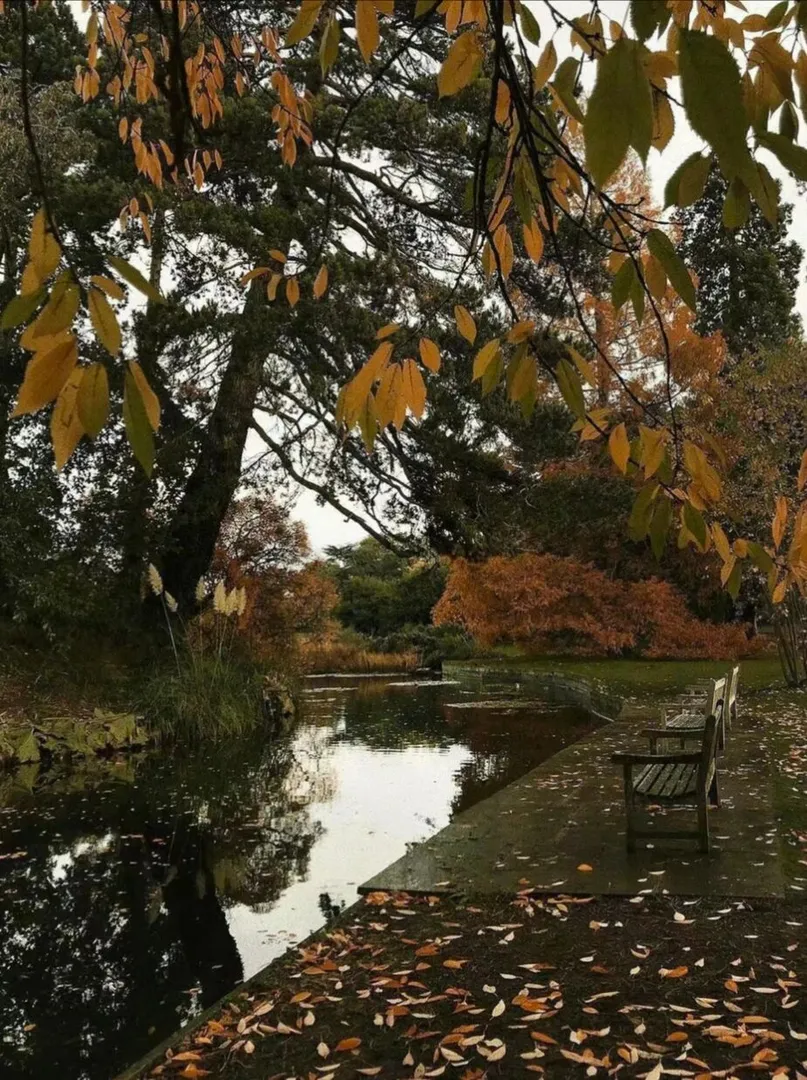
x,y
347,1044
430,354
674,973
584,868
321,282
465,323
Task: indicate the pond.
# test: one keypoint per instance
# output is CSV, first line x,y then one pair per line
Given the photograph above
x,y
134,893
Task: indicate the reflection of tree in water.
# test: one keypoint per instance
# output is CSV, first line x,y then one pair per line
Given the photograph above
x,y
113,927
507,744
380,715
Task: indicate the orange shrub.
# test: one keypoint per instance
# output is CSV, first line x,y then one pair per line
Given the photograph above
x,y
554,604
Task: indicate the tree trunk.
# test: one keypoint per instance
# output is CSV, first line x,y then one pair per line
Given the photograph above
x,y
192,535
790,626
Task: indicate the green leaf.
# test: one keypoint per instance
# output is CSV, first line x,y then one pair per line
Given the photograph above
x,y
642,511
529,26
649,17
135,278
766,193
737,206
660,526
713,101
622,285
660,245
136,421
637,296
790,154
27,751
760,557
788,121
776,14
620,110
570,387
20,308
686,184
693,519
564,84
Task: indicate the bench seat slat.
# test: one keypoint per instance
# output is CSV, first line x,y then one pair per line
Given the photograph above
x,y
666,781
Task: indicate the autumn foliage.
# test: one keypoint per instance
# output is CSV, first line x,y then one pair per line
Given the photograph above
x,y
553,604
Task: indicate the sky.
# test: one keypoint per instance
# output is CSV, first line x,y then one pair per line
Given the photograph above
x,y
325,525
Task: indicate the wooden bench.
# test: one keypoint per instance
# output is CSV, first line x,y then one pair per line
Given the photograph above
x,y
689,718
674,779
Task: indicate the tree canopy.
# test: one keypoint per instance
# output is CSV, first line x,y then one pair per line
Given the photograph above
x,y
450,162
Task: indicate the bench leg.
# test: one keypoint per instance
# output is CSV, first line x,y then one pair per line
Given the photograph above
x,y
630,834
703,823
714,791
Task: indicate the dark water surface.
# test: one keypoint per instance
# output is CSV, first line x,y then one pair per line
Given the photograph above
x,y
135,893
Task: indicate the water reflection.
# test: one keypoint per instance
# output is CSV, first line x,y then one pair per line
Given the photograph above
x,y
140,891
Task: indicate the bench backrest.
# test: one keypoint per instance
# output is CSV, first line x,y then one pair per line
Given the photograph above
x,y
711,738
732,682
715,692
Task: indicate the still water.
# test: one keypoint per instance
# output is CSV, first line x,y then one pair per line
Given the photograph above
x,y
135,893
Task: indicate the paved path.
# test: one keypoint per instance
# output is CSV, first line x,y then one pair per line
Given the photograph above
x,y
569,812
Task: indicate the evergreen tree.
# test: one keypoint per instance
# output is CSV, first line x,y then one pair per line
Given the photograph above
x,y
748,276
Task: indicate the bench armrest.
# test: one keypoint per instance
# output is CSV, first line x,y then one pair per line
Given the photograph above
x,y
623,757
673,733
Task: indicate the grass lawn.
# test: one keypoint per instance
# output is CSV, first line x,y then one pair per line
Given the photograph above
x,y
629,678
405,987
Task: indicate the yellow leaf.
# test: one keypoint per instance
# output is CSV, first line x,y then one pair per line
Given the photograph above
x,y
104,321
485,357
31,280
151,403
461,64
502,102
292,291
271,288
387,331
534,241
321,282
93,399
304,22
663,121
721,542
780,590
107,285
545,66
276,253
414,388
522,374
656,278
367,33
619,447
465,323
65,423
779,520
521,331
430,356
802,480
47,372
56,316
653,449
585,368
